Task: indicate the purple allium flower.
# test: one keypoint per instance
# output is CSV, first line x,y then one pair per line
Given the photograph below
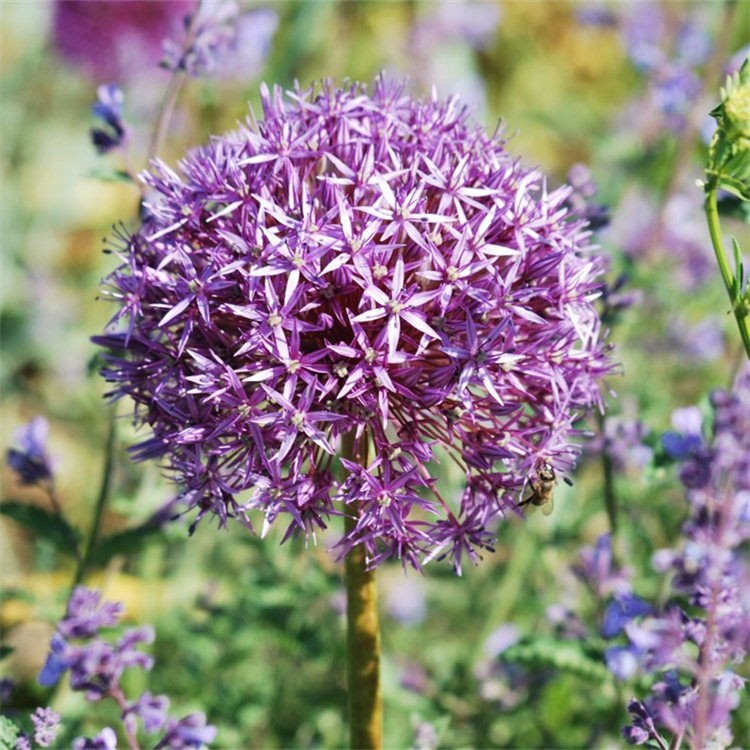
x,y
115,39
108,109
360,264
30,459
700,690
23,742
46,726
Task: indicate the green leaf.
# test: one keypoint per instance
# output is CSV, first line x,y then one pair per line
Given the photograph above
x,y
128,542
44,524
564,656
8,734
6,651
734,186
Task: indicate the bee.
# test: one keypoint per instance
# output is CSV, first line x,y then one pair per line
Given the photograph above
x,y
543,488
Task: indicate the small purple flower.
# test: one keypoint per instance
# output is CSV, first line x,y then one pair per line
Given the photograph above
x,y
152,710
30,459
689,437
87,614
622,661
222,42
105,740
334,270
620,611
596,568
643,727
108,109
190,732
46,726
56,663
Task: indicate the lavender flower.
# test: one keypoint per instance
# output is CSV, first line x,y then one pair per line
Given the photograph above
x,y
192,731
222,42
46,726
366,265
597,569
117,39
30,459
695,653
108,109
96,668
105,740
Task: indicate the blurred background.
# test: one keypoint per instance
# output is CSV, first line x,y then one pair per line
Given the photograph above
x,y
253,633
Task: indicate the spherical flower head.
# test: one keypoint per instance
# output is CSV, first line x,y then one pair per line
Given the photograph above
x,y
358,268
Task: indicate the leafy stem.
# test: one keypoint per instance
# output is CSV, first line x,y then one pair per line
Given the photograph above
x,y
732,282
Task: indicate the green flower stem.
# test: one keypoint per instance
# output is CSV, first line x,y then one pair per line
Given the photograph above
x,y
363,638
101,502
714,228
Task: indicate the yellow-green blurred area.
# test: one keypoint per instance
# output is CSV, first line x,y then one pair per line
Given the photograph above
x,y
251,632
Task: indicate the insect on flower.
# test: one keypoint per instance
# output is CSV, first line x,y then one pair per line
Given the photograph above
x,y
543,491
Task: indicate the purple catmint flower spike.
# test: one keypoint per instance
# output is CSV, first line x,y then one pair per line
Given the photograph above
x,y
358,262
46,726
695,653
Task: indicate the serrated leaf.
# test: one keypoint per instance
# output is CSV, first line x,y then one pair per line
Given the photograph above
x,y
8,734
565,656
128,542
44,524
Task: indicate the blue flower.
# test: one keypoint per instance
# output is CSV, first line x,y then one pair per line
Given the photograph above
x,y
55,666
620,611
